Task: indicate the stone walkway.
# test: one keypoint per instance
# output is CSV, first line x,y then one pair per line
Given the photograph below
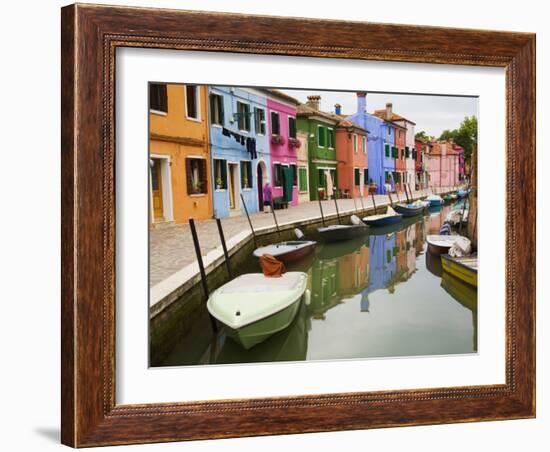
x,y
171,247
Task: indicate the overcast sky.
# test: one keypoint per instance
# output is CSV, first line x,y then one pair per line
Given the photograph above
x,y
433,114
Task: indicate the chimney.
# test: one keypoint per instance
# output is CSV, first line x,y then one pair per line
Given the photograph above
x,y
389,113
313,102
338,109
361,102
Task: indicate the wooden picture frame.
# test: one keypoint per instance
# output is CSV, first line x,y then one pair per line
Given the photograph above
x,y
90,36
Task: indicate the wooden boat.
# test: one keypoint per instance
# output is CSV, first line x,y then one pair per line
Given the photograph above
x,y
435,200
463,268
390,217
338,232
433,264
286,252
410,210
440,244
253,307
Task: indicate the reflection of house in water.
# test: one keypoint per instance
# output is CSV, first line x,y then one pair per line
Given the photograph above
x,y
419,237
466,295
354,271
382,264
411,251
324,294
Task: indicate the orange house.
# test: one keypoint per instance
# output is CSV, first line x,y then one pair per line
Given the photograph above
x,y
179,155
352,159
400,164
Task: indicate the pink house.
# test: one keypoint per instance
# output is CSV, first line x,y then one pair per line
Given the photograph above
x,y
284,145
442,165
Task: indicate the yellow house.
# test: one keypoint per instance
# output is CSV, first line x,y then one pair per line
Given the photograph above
x,y
179,154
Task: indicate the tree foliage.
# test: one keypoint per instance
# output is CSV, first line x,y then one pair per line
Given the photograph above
x,y
422,136
465,135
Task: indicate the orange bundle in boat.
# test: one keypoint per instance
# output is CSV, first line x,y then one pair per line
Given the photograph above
x,y
271,267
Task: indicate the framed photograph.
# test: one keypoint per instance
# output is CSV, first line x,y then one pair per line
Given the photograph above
x,y
269,232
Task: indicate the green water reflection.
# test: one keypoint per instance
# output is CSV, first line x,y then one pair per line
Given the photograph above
x,y
381,295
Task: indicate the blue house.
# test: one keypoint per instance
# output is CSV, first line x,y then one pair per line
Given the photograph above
x,y
381,143
239,147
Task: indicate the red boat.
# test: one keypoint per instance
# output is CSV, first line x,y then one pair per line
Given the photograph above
x,y
286,252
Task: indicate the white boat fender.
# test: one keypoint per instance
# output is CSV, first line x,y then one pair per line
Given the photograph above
x,y
355,220
298,233
307,297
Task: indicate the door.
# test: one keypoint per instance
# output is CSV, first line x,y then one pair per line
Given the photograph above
x,y
233,180
260,178
156,188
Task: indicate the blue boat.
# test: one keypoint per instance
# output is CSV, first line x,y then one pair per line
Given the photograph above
x,y
435,200
410,210
383,219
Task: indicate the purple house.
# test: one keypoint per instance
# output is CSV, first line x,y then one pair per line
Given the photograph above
x,y
283,145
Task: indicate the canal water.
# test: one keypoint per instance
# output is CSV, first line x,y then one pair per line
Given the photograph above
x,y
382,295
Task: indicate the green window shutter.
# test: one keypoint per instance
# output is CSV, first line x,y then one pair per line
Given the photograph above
x,y
387,150
275,126
357,176
388,256
291,127
302,179
224,173
366,175
321,175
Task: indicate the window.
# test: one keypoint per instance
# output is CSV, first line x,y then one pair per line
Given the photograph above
x,y
192,101
294,171
364,145
259,120
246,174
366,175
197,183
216,109
243,116
388,256
291,127
278,175
302,178
321,176
330,138
389,130
355,143
321,136
357,173
387,150
394,152
400,133
275,124
407,152
220,174
158,98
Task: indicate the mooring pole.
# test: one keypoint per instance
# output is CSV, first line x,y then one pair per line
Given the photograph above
x,y
406,193
397,194
201,268
389,196
362,205
321,209
410,191
224,247
336,204
249,222
275,218
373,203
354,204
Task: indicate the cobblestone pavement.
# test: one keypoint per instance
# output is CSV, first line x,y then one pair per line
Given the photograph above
x,y
171,247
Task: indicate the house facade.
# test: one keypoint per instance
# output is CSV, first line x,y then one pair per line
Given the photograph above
x,y
420,165
352,158
400,161
375,141
239,148
283,145
303,167
320,129
179,154
442,164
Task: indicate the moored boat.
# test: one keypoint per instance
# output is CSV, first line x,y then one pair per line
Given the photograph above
x,y
253,307
286,252
435,200
463,268
410,210
338,232
440,244
390,217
